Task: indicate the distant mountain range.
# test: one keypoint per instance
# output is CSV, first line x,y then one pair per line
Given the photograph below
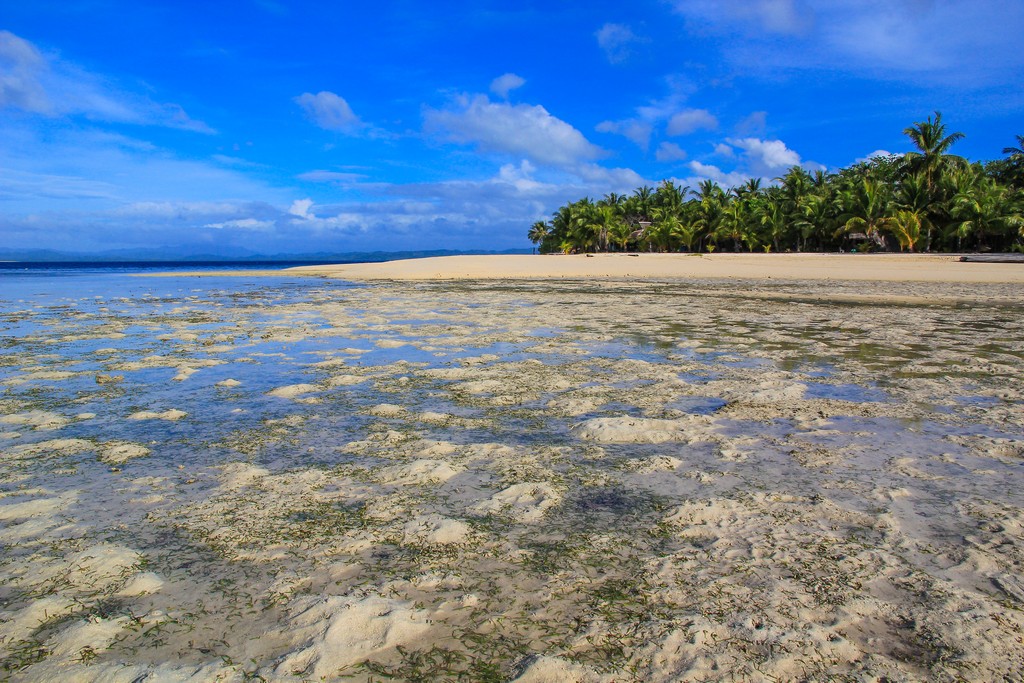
x,y
154,255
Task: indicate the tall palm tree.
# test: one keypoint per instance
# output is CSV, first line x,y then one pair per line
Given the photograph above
x,y
773,218
708,209
538,231
797,185
751,186
735,222
643,196
670,196
932,143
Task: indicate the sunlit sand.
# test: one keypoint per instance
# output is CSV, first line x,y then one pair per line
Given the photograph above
x,y
881,267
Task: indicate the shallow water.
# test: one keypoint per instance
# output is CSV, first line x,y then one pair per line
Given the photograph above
x,y
520,478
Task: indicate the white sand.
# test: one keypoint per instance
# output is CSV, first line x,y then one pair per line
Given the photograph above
x,y
876,267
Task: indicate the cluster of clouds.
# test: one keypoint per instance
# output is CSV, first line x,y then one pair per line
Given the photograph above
x,y
539,159
546,161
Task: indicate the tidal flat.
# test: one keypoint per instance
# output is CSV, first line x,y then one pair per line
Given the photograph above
x,y
282,479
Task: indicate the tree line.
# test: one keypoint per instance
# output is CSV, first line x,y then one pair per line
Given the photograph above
x,y
925,200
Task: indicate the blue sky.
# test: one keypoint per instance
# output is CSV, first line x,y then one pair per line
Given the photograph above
x,y
274,127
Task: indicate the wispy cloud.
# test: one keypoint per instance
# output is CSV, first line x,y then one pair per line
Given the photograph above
x,y
337,177
668,112
44,84
941,41
618,42
21,67
689,120
632,129
669,151
785,17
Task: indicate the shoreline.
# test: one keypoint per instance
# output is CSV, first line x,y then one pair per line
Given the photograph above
x,y
725,266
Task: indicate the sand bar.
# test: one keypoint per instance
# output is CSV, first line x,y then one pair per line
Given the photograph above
x,y
875,267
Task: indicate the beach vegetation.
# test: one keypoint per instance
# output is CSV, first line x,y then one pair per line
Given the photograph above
x,y
925,200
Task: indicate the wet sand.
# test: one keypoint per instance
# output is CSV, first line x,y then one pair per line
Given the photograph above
x,y
507,479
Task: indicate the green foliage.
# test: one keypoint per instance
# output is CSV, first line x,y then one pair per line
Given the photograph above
x,y
926,200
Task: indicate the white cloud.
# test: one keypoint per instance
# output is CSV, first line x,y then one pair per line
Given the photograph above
x,y
724,150
669,151
602,180
526,130
300,208
691,120
329,111
43,84
633,129
710,172
617,41
504,84
766,157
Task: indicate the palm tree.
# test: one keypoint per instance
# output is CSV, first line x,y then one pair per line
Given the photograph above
x,y
932,143
1017,151
773,218
912,195
670,196
664,229
538,231
708,209
984,209
643,196
752,186
620,233
796,187
1010,171
906,226
817,219
866,210
735,221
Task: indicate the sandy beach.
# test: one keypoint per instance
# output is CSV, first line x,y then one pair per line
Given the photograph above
x,y
597,478
857,267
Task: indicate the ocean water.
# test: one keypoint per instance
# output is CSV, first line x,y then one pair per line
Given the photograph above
x,y
295,442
